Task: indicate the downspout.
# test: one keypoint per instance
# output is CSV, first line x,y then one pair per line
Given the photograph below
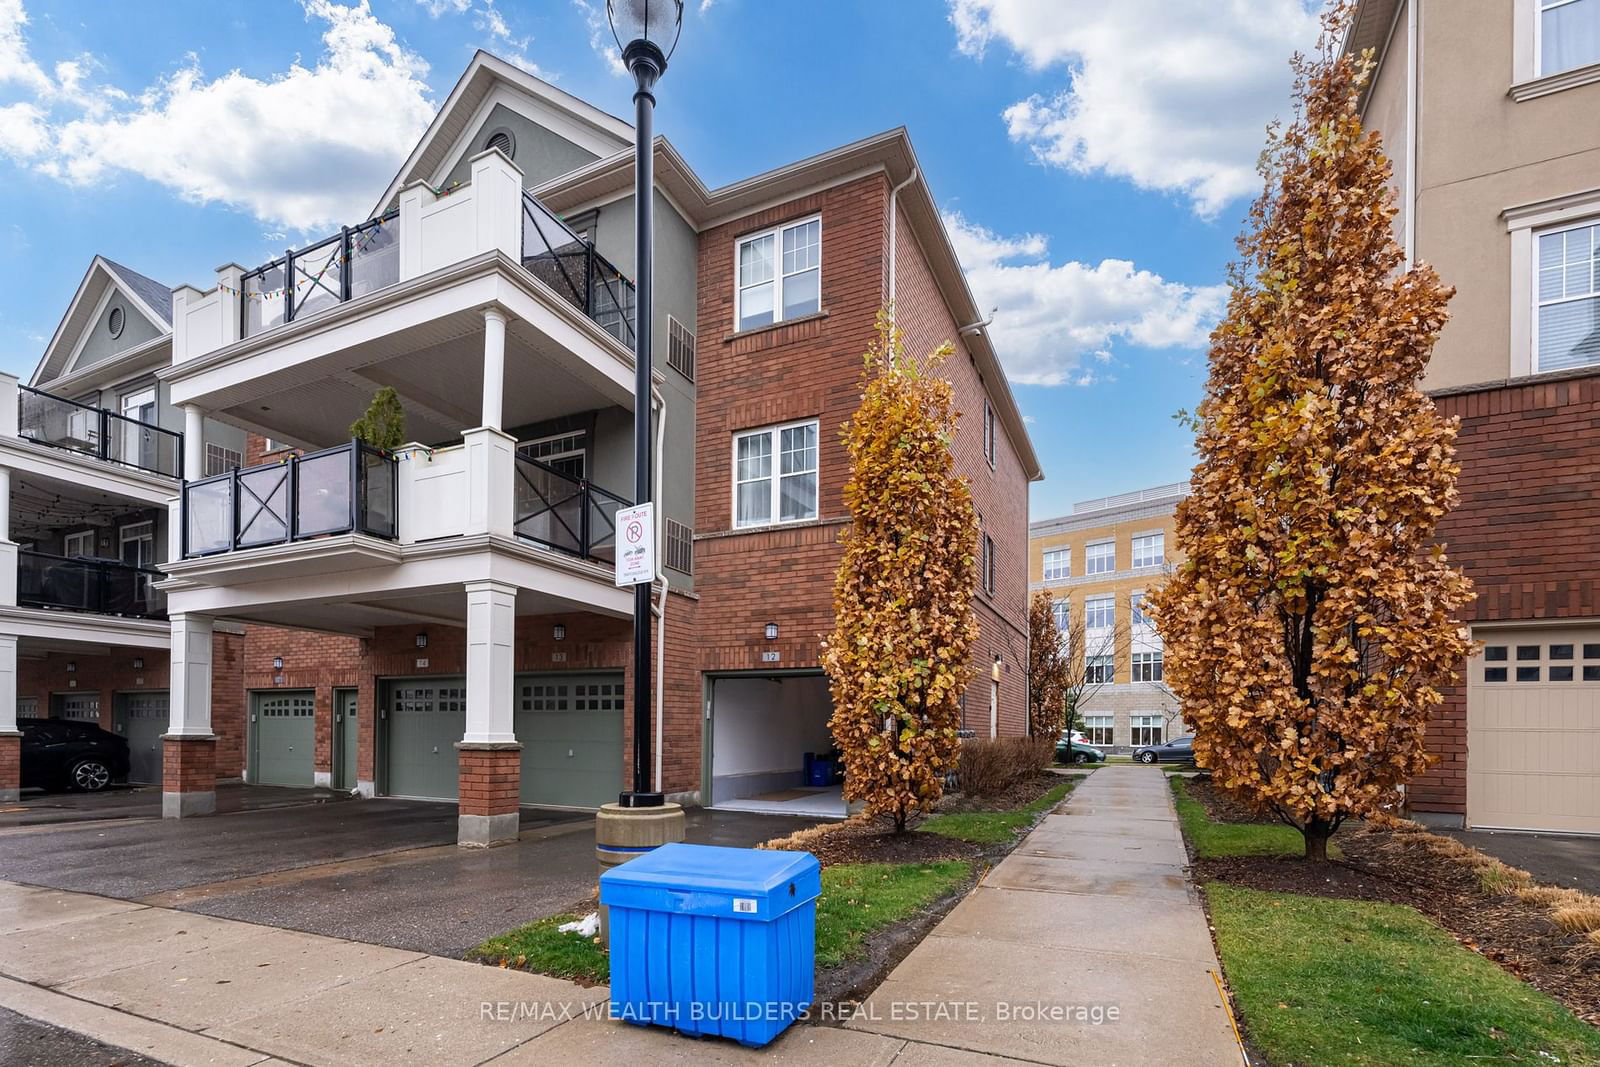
x,y
894,227
1413,80
660,611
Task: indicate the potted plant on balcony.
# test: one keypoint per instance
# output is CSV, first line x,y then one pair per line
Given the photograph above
x,y
382,427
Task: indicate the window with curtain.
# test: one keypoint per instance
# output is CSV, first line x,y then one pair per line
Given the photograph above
x,y
775,474
780,274
1567,298
1569,34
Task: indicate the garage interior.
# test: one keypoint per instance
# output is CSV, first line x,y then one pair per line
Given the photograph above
x,y
762,727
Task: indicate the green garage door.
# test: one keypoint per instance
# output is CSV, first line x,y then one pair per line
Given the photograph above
x,y
79,707
422,721
283,737
570,726
142,718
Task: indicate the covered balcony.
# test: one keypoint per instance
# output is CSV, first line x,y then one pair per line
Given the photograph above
x,y
98,586
46,419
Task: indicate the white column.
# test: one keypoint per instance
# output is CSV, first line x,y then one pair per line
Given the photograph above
x,y
8,405
8,549
413,198
491,673
8,684
497,203
230,279
190,687
494,366
194,444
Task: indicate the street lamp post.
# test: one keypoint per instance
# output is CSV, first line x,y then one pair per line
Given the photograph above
x,y
647,32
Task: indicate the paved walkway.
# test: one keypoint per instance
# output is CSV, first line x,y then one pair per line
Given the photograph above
x,y
1091,912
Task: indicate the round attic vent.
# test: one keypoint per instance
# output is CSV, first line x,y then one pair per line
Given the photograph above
x,y
116,321
502,140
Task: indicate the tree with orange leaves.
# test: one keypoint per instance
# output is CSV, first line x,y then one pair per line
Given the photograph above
x,y
1047,669
1315,618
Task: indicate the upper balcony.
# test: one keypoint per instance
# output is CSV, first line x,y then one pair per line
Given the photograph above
x,y
47,419
97,586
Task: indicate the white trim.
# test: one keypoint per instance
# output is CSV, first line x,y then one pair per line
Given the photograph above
x,y
1536,302
778,275
1089,555
149,535
1044,563
775,478
542,113
75,538
1524,222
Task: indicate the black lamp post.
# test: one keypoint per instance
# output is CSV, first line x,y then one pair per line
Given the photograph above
x,y
647,32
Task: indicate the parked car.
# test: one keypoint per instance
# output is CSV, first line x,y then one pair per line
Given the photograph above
x,y
1074,751
62,754
1178,750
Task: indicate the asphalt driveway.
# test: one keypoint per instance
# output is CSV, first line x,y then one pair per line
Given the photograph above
x,y
386,872
1554,859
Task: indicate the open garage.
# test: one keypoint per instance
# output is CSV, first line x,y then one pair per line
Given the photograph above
x,y
761,729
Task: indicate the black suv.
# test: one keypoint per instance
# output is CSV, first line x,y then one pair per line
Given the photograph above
x,y
60,753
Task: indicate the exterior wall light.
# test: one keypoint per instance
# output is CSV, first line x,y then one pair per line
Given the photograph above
x,y
772,631
422,640
277,663
138,663
71,666
559,631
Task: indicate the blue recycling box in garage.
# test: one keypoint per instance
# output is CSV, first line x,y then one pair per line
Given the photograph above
x,y
713,941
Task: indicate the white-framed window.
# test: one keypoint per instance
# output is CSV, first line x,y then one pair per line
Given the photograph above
x,y
1147,666
1567,36
1147,729
775,474
779,274
221,460
136,544
1140,620
988,432
1061,613
988,564
1099,729
1149,550
1099,670
1099,612
78,545
1566,294
1057,563
1100,557
567,452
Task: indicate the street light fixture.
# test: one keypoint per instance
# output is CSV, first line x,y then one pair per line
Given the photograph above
x,y
647,32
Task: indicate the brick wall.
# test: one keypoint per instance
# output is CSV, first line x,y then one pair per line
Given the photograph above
x,y
1525,531
316,661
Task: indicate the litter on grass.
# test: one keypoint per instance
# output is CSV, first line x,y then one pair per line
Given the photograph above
x,y
588,926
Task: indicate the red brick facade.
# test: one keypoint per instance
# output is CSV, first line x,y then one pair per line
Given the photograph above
x,y
188,765
10,762
491,780
1526,531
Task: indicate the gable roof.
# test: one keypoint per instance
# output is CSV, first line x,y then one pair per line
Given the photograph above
x,y
604,134
149,297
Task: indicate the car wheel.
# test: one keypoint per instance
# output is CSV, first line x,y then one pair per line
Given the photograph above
x,y
89,776
1083,757
1147,757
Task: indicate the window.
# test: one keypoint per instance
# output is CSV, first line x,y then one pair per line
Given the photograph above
x,y
766,492
79,545
988,564
1147,666
1567,297
566,453
137,544
988,432
1494,674
1146,730
1527,652
1099,613
1560,651
1098,670
1495,653
220,460
680,546
1141,621
1100,557
116,322
1149,550
1057,563
771,288
1061,614
1569,34
1097,729
680,348
1527,674
1561,674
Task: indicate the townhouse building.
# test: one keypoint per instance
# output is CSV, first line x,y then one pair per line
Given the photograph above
x,y
1488,110
441,622
1097,564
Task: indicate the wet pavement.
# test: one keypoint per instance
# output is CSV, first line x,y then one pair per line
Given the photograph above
x,y
26,1041
1554,859
119,802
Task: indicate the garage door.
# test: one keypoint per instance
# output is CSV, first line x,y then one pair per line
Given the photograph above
x,y
142,718
570,726
79,707
28,708
283,737
422,721
1533,730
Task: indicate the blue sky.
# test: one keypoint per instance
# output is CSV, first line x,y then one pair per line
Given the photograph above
x,y
1093,161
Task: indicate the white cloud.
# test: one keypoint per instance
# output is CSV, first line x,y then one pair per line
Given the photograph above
x,y
439,7
304,149
1173,95
601,39
1059,324
17,67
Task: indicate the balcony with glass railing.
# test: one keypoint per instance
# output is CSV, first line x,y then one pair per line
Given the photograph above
x,y
100,586
47,419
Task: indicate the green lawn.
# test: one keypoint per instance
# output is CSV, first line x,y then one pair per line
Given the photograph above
x,y
994,827
1324,982
1212,839
856,899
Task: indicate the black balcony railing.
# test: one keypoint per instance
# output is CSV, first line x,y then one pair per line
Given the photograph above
x,y
569,264
353,262
348,489
91,431
566,513
103,586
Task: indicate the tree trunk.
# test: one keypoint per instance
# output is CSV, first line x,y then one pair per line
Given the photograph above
x,y
1316,835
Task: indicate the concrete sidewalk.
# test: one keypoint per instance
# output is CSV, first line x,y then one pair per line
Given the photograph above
x,y
1092,912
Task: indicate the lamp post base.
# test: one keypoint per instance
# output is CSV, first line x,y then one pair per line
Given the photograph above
x,y
623,833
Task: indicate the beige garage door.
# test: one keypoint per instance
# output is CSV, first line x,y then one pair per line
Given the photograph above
x,y
1533,730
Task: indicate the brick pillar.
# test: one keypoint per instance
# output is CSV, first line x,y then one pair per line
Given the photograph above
x,y
188,776
490,793
10,765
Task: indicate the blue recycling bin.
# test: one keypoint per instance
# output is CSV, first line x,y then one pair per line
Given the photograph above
x,y
713,941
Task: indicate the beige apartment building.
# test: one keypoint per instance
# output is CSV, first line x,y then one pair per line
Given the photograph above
x,y
1098,563
1490,110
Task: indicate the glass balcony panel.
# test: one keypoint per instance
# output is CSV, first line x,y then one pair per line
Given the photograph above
x,y
603,525
323,493
208,516
263,299
143,445
263,506
549,507
318,277
374,256
379,499
105,587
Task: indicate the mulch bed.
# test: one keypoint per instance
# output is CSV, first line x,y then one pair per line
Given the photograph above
x,y
1395,867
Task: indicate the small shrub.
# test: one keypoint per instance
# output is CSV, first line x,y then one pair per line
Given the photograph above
x,y
1551,896
1580,918
1495,878
990,767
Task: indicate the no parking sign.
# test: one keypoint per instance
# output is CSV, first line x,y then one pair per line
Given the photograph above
x,y
636,544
